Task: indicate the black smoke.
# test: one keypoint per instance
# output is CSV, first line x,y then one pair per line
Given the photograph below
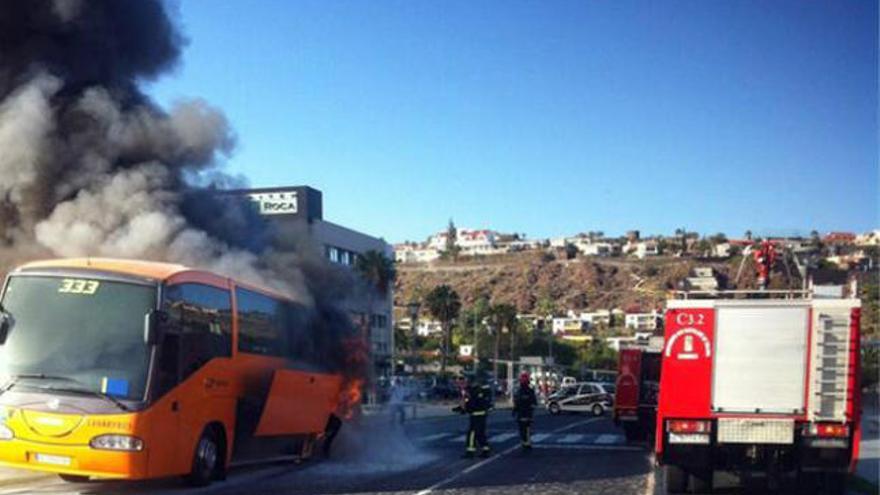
x,y
90,166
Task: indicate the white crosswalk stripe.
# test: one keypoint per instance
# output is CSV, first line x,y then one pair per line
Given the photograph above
x,y
607,439
540,437
502,437
434,437
571,438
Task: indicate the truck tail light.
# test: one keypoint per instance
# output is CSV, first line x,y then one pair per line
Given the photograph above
x,y
684,426
689,431
826,430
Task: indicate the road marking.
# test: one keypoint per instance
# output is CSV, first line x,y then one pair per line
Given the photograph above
x,y
540,437
575,425
470,469
571,438
494,458
605,448
458,439
608,439
502,437
436,436
650,486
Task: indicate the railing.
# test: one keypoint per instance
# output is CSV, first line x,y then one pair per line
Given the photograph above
x,y
742,294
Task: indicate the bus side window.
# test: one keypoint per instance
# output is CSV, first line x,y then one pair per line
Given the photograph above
x,y
201,328
260,324
300,345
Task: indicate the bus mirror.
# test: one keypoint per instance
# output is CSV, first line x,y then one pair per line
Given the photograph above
x,y
5,325
153,325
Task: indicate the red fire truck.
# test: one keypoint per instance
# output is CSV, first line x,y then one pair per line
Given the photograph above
x,y
638,380
759,382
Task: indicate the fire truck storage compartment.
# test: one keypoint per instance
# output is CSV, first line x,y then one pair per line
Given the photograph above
x,y
760,359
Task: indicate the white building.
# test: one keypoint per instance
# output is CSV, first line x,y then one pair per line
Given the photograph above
x,y
868,238
569,325
704,279
414,253
642,249
641,321
596,318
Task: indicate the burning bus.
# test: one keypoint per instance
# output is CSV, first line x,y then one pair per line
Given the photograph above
x,y
135,370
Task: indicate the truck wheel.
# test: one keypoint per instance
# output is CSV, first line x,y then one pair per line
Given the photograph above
x,y
676,479
598,410
554,408
703,481
206,460
74,478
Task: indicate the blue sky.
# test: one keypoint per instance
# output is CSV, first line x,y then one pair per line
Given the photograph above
x,y
549,118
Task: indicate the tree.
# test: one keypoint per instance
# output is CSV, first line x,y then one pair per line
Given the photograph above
x,y
748,235
378,271
502,319
444,305
452,248
546,309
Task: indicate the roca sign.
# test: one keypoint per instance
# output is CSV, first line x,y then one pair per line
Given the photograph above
x,y
276,203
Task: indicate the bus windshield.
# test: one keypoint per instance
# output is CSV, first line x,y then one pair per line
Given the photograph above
x,y
77,334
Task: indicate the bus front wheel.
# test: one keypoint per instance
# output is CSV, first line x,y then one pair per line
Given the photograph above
x,y
206,459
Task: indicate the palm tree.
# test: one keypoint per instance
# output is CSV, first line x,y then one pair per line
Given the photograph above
x,y
444,304
503,317
546,309
378,271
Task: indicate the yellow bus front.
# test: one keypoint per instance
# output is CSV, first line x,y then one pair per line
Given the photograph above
x,y
75,365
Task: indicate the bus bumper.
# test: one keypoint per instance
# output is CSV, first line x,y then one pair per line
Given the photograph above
x,y
76,460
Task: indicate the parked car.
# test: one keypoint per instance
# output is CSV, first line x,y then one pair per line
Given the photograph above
x,y
590,397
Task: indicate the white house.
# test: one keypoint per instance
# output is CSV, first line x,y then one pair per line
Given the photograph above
x,y
641,321
562,326
868,238
414,253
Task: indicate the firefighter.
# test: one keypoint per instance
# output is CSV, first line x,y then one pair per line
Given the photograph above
x,y
524,402
476,404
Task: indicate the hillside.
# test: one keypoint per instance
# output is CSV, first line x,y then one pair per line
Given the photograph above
x,y
583,283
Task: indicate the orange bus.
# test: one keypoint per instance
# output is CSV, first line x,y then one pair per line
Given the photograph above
x,y
133,370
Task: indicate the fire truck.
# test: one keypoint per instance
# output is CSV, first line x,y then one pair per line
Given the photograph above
x,y
759,381
638,380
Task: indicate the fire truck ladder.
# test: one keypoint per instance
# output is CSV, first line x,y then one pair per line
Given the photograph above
x,y
831,373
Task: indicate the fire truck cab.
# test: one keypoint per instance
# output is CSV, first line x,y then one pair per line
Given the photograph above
x,y
638,381
759,381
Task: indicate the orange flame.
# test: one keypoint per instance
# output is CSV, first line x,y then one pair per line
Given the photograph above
x,y
357,359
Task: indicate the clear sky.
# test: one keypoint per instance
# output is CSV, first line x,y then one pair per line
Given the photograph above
x,y
549,118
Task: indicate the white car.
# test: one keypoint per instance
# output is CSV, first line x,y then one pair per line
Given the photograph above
x,y
591,397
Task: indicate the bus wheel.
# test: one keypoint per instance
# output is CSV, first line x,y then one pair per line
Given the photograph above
x,y
74,478
676,479
205,460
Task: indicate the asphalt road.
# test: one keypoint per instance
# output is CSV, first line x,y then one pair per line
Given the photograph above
x,y
573,454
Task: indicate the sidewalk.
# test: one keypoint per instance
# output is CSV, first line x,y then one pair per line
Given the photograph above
x,y
868,466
